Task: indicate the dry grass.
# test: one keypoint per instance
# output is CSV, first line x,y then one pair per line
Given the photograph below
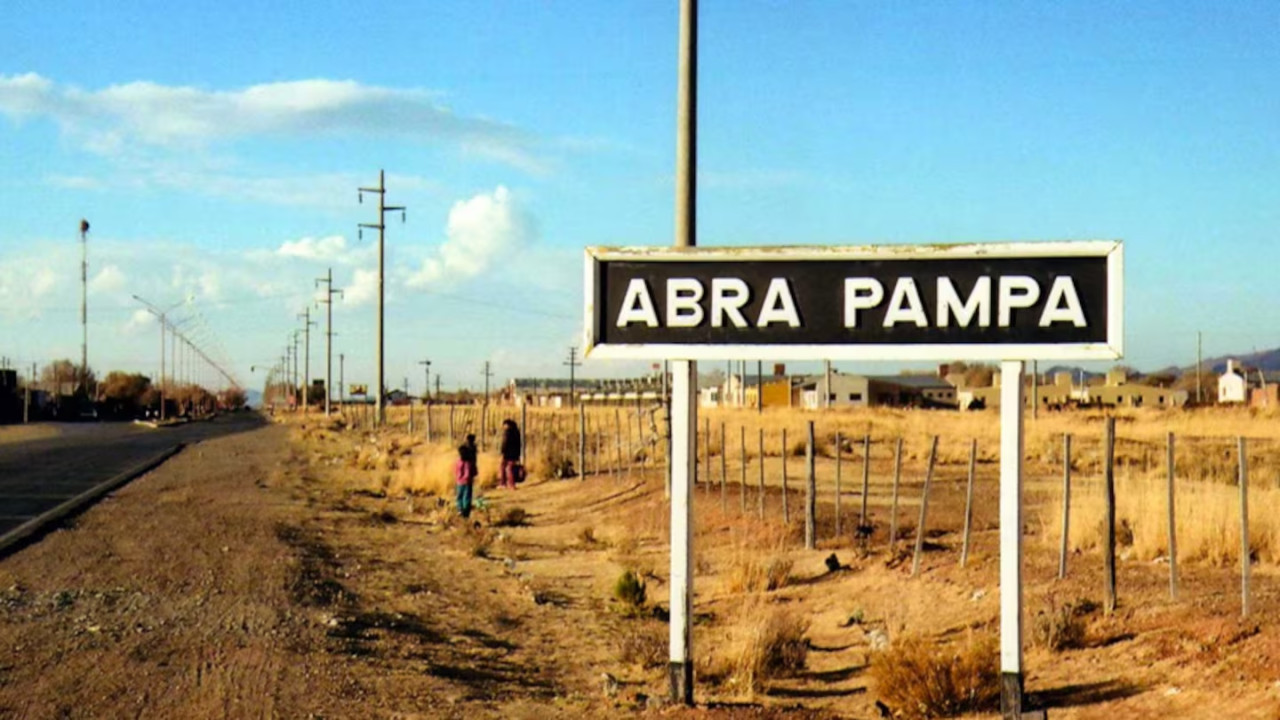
x,y
917,678
769,643
1060,627
1207,517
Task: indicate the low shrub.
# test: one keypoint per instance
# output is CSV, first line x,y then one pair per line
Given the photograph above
x,y
1062,627
629,590
919,679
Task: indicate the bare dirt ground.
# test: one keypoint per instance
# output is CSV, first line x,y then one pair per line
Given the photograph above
x,y
265,575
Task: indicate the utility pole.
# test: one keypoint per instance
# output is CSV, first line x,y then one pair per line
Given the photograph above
x,y
437,384
381,227
296,377
329,292
84,305
426,379
826,398
573,363
307,322
487,374
342,384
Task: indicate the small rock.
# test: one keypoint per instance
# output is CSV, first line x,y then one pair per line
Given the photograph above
x,y
877,639
978,595
1172,691
610,685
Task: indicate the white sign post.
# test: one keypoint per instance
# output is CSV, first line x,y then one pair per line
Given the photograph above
x,y
1011,614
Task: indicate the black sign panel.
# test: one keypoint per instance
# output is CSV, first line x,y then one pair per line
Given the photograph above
x,y
1024,298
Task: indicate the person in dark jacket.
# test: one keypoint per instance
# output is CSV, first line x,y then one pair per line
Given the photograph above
x,y
510,454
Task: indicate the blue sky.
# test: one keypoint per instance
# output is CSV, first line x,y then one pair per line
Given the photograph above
x,y
216,149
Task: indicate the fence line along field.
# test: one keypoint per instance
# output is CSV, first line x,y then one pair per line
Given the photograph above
x,y
765,599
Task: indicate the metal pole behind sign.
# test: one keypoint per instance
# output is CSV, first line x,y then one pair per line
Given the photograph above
x,y
1011,445
684,406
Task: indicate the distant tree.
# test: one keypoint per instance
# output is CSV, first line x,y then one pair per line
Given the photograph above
x,y
234,398
62,377
122,386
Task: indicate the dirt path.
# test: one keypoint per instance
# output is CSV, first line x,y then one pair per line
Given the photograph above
x,y
247,578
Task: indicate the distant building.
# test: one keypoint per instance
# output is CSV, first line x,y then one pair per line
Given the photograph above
x,y
557,392
1233,386
1115,391
847,390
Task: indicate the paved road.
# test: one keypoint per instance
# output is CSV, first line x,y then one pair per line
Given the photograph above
x,y
39,475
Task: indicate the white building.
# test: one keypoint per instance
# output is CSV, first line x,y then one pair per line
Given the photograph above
x,y
1233,387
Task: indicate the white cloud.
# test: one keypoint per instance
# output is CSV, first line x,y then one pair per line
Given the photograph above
x,y
363,288
310,248
138,320
109,279
481,231
150,114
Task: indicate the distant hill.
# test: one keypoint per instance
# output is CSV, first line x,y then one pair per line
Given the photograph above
x,y
1265,360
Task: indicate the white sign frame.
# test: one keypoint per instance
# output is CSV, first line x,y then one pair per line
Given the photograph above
x,y
1112,349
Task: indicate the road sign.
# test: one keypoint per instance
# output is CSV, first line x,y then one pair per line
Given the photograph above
x,y
999,301
359,390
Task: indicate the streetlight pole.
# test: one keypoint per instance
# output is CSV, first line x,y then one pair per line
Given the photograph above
x,y
160,315
381,227
84,306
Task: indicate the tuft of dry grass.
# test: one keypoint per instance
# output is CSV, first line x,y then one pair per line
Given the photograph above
x,y
1207,517
920,679
770,645
1062,627
644,643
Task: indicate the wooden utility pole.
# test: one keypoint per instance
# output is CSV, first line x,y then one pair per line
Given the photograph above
x,y
381,227
329,292
573,363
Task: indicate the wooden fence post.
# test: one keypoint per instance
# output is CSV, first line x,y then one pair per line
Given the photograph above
x,y
1109,526
786,506
1170,466
866,482
451,442
617,445
1065,548
742,486
893,503
411,417
582,441
839,443
1244,527
724,472
706,424
968,502
924,508
427,411
760,497
810,494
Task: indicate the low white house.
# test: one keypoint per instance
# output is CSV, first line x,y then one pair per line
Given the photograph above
x,y
1233,387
